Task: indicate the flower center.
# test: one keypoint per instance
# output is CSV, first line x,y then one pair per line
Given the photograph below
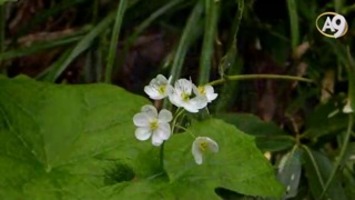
x,y
162,89
154,125
185,97
203,146
201,90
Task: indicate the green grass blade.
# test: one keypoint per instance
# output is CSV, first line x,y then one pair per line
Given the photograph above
x,y
141,27
59,66
211,20
114,39
145,24
46,75
190,33
43,16
229,64
292,11
42,46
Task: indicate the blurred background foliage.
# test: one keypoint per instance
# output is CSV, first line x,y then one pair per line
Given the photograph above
x,y
298,125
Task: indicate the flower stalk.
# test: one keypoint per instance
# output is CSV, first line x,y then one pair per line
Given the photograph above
x,y
259,76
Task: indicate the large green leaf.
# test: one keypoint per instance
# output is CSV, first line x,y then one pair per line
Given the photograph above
x,y
268,136
238,165
77,142
65,142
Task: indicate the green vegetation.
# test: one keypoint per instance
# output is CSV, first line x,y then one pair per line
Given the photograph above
x,y
73,74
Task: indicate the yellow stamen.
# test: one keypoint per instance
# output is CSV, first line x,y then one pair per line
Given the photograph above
x,y
154,125
203,146
162,89
185,97
201,90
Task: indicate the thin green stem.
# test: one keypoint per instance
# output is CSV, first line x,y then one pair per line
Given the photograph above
x,y
292,11
161,155
179,112
314,162
259,76
341,155
187,131
114,39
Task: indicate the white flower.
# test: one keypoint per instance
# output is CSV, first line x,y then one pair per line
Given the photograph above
x,y
158,87
347,108
150,123
202,145
206,91
181,96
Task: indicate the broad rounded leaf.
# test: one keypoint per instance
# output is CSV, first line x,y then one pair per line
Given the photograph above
x,y
268,136
68,142
238,165
77,142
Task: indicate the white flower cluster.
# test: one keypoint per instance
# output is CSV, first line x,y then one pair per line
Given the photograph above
x,y
153,124
184,94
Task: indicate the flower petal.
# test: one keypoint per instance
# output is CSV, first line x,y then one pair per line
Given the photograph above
x,y
153,93
143,133
150,110
347,108
190,107
174,98
184,85
156,140
201,145
165,116
199,102
212,145
157,88
196,153
141,119
164,131
210,94
161,79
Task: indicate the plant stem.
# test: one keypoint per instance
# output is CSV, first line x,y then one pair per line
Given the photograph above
x,y
114,39
292,11
314,162
259,76
341,155
161,155
179,112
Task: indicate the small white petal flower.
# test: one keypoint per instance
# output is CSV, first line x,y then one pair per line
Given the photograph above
x,y
158,87
206,91
347,108
182,96
150,123
202,145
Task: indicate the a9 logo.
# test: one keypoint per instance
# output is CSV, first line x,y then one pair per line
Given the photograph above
x,y
334,26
